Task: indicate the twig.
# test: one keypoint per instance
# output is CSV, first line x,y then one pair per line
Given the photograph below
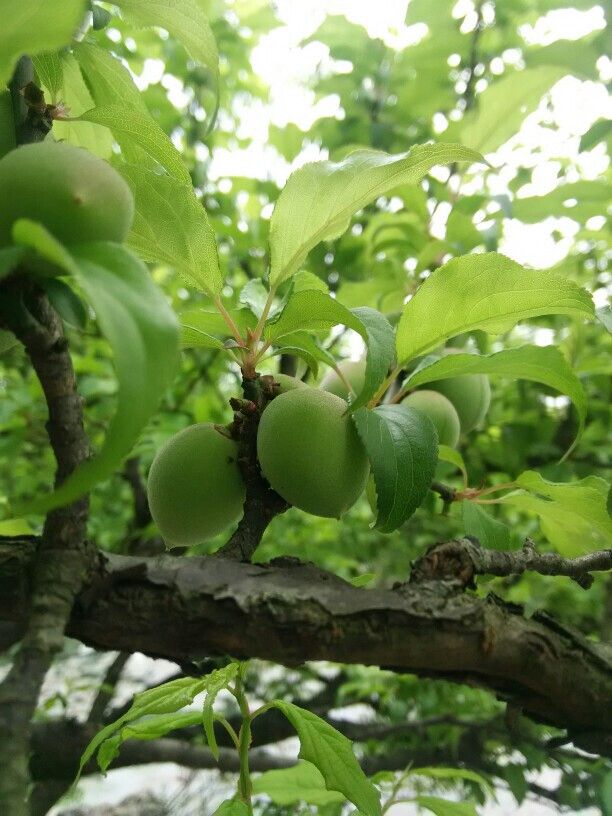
x,y
465,558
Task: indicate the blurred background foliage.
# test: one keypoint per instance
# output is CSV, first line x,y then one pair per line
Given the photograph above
x,y
522,80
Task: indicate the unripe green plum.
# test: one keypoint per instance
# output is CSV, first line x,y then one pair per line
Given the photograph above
x,y
288,383
441,412
310,452
354,373
469,393
195,488
77,196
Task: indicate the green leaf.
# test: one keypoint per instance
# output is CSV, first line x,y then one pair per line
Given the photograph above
x,y
302,345
380,353
401,444
444,807
109,750
143,333
35,26
108,80
215,682
491,533
183,19
542,364
171,227
232,807
48,67
65,301
332,754
254,295
573,515
165,699
154,726
195,338
452,773
303,342
211,322
75,94
503,106
319,199
10,258
302,783
313,310
34,236
363,580
142,131
453,457
489,292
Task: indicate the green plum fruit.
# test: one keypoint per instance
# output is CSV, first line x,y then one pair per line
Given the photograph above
x,y
288,383
77,196
195,487
310,452
441,412
469,393
354,373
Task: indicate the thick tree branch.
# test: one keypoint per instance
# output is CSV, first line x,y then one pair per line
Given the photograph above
x,y
185,609
63,556
465,558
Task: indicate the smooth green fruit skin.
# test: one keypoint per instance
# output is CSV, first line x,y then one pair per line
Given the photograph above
x,y
195,488
288,383
77,196
469,393
441,412
353,370
310,452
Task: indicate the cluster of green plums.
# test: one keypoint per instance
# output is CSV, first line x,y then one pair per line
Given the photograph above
x,y
307,446
308,450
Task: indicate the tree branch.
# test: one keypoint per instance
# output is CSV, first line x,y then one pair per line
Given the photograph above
x,y
261,503
185,609
465,558
63,556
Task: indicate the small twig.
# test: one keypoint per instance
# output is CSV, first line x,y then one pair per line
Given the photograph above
x,y
465,558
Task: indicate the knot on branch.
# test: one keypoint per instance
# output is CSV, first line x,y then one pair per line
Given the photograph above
x,y
448,561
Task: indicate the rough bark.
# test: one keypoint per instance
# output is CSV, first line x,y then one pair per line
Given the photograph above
x,y
185,609
62,555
